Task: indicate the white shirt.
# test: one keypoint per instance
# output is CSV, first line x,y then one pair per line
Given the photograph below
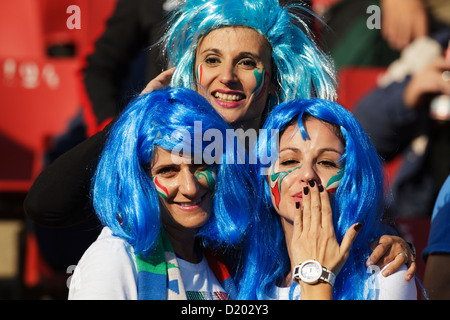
x,y
108,271
394,287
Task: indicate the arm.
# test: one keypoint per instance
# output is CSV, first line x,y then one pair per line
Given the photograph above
x,y
60,196
109,63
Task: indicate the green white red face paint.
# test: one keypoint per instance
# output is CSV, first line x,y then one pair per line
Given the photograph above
x,y
275,181
334,181
199,73
260,76
160,189
209,174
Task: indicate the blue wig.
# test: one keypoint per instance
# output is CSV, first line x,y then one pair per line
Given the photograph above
x,y
301,70
359,198
124,195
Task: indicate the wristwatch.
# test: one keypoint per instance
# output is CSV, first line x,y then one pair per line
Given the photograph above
x,y
312,272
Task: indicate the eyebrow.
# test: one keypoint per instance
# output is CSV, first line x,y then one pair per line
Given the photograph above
x,y
243,53
323,150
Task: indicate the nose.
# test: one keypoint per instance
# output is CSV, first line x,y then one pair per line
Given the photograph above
x,y
189,185
228,74
307,173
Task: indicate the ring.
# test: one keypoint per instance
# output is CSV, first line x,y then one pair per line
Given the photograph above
x,y
446,75
404,255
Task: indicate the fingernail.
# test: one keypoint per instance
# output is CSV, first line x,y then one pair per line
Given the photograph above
x,y
311,183
297,205
320,187
358,227
386,273
305,190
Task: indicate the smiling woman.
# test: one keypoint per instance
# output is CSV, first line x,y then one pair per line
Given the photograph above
x,y
160,209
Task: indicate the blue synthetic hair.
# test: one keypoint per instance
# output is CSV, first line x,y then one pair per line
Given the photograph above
x,y
124,195
359,198
301,69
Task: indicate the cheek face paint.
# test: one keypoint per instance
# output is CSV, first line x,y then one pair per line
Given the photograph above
x,y
160,189
199,73
334,181
209,174
260,76
275,183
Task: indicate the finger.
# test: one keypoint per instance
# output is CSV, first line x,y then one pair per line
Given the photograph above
x,y
349,238
327,213
377,253
161,81
411,271
298,223
306,214
396,264
316,207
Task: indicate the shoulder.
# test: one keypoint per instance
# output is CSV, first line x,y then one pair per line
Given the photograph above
x,y
393,287
107,270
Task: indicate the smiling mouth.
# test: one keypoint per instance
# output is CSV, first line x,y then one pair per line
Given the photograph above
x,y
228,97
191,204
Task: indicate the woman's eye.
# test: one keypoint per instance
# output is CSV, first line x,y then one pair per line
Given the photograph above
x,y
166,171
289,162
330,164
249,63
212,60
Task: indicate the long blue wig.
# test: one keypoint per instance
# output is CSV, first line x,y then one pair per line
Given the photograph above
x,y
359,198
124,195
301,69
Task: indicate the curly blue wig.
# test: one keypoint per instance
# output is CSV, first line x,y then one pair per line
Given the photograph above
x,y
124,195
301,69
359,198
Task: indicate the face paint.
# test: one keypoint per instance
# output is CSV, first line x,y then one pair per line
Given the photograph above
x,y
275,183
160,189
210,175
334,181
260,75
199,73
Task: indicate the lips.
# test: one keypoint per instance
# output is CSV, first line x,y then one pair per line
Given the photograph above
x,y
298,197
227,98
189,205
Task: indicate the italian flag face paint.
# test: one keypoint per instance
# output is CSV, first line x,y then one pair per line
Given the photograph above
x,y
160,189
209,174
260,80
334,181
199,73
275,181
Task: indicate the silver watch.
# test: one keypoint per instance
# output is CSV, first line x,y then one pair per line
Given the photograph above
x,y
312,272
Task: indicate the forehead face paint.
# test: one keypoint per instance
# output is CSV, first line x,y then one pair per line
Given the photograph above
x,y
209,174
199,73
160,189
275,183
260,76
334,181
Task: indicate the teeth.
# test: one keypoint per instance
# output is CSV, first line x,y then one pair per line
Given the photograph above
x,y
188,204
228,97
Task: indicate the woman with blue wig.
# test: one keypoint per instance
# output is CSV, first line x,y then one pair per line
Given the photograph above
x,y
244,57
324,198
162,205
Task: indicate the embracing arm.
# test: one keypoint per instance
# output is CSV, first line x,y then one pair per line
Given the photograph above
x,y
60,196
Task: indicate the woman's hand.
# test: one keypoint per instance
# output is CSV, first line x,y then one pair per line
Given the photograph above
x,y
314,237
392,249
161,81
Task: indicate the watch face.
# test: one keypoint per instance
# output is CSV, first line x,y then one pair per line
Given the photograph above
x,y
310,272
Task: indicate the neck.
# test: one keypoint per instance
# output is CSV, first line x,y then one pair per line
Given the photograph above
x,y
288,229
184,244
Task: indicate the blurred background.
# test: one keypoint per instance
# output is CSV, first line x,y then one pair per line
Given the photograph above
x,y
46,107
